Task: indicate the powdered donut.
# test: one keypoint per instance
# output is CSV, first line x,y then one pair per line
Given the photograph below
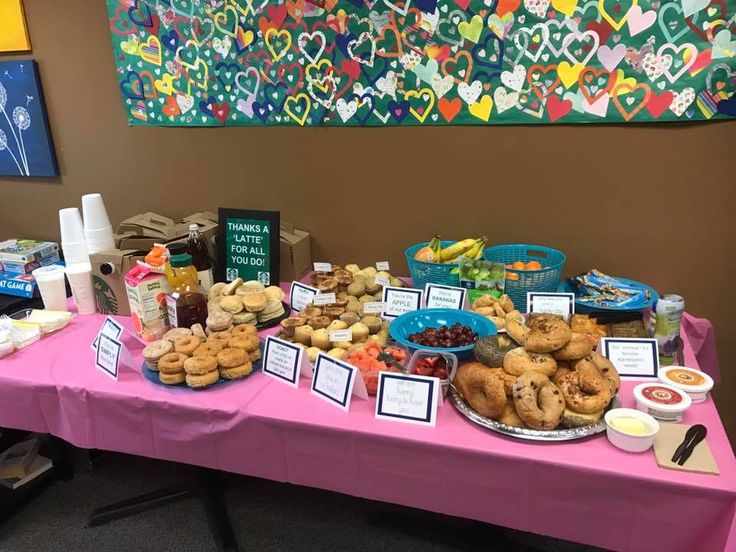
x,y
172,363
198,331
231,357
211,348
187,345
482,390
154,351
538,401
580,345
519,360
200,365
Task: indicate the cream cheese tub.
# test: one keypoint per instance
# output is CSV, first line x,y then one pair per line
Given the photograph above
x,y
661,401
695,383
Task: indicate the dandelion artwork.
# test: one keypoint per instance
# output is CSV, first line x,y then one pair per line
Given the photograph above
x,y
25,142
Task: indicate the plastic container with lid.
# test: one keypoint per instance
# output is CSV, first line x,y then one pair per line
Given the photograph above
x,y
661,401
695,383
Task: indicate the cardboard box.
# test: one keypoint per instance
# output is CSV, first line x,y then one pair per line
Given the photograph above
x,y
295,252
108,279
25,251
140,232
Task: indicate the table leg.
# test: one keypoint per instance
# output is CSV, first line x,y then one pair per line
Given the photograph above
x,y
133,506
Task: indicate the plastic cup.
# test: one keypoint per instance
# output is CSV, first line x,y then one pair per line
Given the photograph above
x,y
95,214
50,281
70,224
80,280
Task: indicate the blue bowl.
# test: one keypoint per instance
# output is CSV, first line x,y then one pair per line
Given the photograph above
x,y
567,286
416,321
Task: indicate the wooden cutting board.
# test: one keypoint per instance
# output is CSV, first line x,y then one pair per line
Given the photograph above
x,y
669,438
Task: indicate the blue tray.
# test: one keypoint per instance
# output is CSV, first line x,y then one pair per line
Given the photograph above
x,y
567,287
152,376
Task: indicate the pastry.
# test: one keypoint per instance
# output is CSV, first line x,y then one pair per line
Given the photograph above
x,y
216,290
354,306
237,372
547,333
312,353
303,334
538,401
352,268
274,293
154,351
356,289
175,333
198,331
203,380
350,318
396,282
311,311
172,379
254,286
219,337
171,363
328,285
481,389
232,304
360,331
187,345
230,288
254,302
333,311
319,322
320,338
582,323
244,317
339,354
485,300
211,348
231,357
518,361
373,323
371,286
506,303
580,345
243,330
200,365
336,325
218,321
289,325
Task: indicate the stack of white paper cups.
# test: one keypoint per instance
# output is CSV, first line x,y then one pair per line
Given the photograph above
x,y
73,243
80,280
97,227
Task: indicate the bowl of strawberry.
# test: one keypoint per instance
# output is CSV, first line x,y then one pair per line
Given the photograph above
x,y
441,330
434,365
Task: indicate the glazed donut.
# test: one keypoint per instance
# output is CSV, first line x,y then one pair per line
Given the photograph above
x,y
244,329
211,348
538,401
578,400
606,367
177,333
202,380
547,333
172,363
237,372
172,379
247,343
510,417
517,330
580,345
219,337
508,380
519,360
482,390
200,365
187,345
231,357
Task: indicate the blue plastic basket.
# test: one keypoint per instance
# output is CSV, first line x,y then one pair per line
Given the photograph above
x,y
423,272
546,279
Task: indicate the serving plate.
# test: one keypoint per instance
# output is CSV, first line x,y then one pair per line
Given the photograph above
x,y
529,434
275,321
583,307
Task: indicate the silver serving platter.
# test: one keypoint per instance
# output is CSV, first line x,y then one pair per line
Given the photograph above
x,y
529,434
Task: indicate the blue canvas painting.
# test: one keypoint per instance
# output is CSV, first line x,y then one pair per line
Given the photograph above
x,y
25,142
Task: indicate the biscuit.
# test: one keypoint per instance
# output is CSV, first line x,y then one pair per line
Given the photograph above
x,y
230,288
200,365
244,317
218,321
216,290
253,286
254,302
202,380
231,303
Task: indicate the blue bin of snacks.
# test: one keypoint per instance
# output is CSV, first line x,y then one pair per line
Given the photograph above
x,y
424,272
519,282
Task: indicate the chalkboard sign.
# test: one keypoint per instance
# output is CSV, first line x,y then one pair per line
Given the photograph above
x,y
248,245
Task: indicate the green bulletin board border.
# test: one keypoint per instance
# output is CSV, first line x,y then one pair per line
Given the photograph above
x,y
274,220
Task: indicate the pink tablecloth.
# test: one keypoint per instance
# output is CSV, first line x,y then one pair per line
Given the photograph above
x,y
584,491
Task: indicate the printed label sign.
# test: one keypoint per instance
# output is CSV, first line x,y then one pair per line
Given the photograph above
x,y
633,358
335,381
324,299
301,295
249,245
444,297
282,360
109,328
398,300
407,398
108,355
561,304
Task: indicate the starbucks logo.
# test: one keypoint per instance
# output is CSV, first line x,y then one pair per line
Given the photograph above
x,y
105,299
264,278
232,274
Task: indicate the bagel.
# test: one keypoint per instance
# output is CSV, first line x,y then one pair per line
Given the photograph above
x,y
517,330
519,360
579,401
563,368
608,370
491,349
590,379
508,379
571,419
537,400
547,333
580,345
482,390
510,417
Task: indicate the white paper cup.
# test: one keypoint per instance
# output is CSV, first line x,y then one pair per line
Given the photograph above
x,y
99,240
70,224
95,214
80,279
75,252
50,281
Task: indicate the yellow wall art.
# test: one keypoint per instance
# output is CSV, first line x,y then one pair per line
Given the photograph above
x,y
13,32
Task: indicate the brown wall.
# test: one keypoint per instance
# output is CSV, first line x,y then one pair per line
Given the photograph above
x,y
654,203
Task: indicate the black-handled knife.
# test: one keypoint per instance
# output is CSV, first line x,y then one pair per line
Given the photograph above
x,y
693,436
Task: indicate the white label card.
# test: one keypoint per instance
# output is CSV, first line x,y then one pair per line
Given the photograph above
x,y
324,299
398,300
407,398
383,281
562,304
383,265
110,354
341,335
282,360
444,297
336,382
633,358
322,267
109,328
301,295
375,307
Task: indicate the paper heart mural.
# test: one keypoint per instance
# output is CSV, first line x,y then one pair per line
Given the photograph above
x,y
423,62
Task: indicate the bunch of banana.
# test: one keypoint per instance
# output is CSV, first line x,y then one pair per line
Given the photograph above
x,y
469,248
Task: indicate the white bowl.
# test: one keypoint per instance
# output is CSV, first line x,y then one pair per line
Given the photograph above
x,y
626,441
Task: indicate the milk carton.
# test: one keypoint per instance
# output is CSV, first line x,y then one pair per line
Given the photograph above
x,y
147,292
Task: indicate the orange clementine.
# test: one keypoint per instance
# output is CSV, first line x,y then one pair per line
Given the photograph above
x,y
519,265
533,265
512,276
